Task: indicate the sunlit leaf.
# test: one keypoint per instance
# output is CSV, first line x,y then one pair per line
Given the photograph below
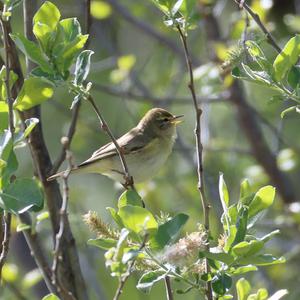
x,y
243,289
287,58
102,243
34,91
137,219
168,232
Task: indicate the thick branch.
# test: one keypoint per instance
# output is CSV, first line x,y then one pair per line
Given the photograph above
x,y
168,288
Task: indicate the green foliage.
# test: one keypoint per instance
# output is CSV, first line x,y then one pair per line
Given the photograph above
x,y
22,195
281,76
34,91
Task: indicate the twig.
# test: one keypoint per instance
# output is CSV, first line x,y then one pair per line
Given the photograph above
x,y
75,111
6,238
63,219
125,276
199,147
37,252
128,178
256,18
168,288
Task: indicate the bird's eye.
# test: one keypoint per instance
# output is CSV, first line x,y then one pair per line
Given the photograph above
x,y
166,120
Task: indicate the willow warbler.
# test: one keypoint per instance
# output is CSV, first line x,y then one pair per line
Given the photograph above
x,y
146,147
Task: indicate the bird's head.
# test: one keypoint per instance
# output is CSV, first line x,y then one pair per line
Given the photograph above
x,y
159,122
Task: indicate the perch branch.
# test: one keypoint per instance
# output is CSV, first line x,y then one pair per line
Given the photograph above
x,y
199,148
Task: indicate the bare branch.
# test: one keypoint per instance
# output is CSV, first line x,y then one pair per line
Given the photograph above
x,y
37,252
63,220
256,18
6,238
168,288
199,148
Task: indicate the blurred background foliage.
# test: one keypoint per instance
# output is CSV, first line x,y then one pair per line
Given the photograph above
x,y
138,64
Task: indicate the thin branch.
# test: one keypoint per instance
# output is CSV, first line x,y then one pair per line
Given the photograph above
x,y
168,288
125,276
37,252
128,178
63,220
6,238
199,148
256,18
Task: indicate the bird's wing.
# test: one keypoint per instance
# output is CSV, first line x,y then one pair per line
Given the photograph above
x,y
129,142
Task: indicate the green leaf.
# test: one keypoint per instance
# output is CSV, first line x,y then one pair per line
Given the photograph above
x,y
138,220
65,58
149,279
21,136
261,260
102,243
8,158
32,51
44,25
82,67
168,232
42,216
51,297
243,289
223,257
294,77
3,115
269,236
287,58
115,216
130,197
288,110
22,227
231,237
22,195
258,55
223,192
241,225
34,91
263,199
221,283
262,294
243,270
245,189
247,248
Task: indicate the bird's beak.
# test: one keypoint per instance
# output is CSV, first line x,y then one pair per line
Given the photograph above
x,y
176,120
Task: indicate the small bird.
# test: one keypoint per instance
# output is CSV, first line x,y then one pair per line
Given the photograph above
x,y
146,147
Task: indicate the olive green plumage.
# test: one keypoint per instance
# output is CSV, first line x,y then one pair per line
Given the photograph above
x,y
146,148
